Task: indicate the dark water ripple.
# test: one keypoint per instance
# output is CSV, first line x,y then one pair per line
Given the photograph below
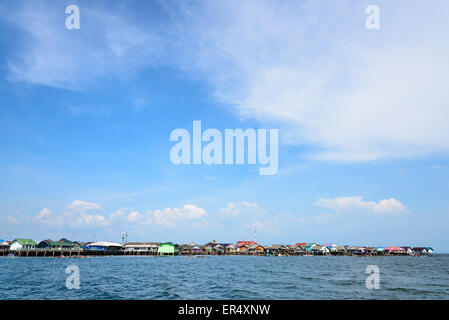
x,y
235,277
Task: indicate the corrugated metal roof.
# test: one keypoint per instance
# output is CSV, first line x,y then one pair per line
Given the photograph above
x,y
104,244
26,242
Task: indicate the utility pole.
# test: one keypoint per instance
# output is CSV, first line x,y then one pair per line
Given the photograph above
x,y
255,238
124,237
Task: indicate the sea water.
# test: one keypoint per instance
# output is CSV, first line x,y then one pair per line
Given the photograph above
x,y
225,277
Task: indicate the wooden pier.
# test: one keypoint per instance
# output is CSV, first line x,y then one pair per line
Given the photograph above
x,y
74,253
80,253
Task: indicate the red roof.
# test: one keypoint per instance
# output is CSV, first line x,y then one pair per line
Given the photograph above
x,y
244,243
302,244
393,248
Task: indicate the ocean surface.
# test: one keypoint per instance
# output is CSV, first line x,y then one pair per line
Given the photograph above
x,y
225,277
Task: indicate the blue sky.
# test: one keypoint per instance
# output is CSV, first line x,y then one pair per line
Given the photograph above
x,y
86,116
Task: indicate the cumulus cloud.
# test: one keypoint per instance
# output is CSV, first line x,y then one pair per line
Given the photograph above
x,y
118,213
133,216
44,213
340,204
83,205
91,220
77,215
74,215
142,218
170,217
47,217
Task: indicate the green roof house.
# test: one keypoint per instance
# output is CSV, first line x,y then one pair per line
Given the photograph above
x,y
22,244
61,244
167,249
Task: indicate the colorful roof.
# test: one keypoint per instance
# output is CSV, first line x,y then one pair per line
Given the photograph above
x,y
244,243
103,244
311,244
422,248
62,244
393,248
167,244
143,244
223,245
24,242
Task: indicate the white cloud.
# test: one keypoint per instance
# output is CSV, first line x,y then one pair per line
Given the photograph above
x,y
118,213
133,216
76,215
389,206
340,204
44,213
137,217
91,220
248,204
348,93
83,205
47,218
73,216
170,217
230,209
